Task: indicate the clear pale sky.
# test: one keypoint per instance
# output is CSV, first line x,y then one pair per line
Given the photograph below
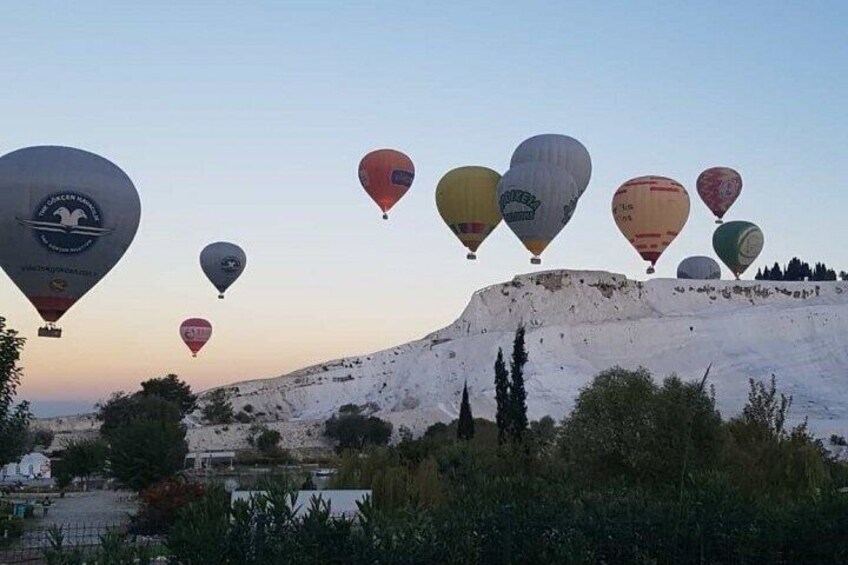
x,y
247,122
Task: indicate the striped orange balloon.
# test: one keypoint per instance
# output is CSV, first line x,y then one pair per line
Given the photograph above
x,y
650,211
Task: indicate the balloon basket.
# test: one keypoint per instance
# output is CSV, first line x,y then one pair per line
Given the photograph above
x,y
221,296
50,331
385,216
651,270
194,354
535,261
719,221
471,257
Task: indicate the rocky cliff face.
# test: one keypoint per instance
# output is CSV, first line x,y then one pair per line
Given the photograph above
x,y
579,323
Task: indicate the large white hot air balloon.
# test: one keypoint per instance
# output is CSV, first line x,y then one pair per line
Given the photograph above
x,y
223,263
560,150
66,218
536,201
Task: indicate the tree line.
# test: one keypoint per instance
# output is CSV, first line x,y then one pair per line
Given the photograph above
x,y
797,270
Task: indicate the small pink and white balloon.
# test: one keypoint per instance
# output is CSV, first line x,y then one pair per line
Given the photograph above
x,y
195,333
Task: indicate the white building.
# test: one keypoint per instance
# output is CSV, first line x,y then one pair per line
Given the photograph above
x,y
31,466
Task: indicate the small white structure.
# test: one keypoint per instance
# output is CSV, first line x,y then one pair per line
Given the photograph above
x,y
200,460
31,466
343,503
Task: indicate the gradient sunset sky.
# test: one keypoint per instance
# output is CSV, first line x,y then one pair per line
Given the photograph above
x,y
247,122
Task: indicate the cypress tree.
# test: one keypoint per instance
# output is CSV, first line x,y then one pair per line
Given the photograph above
x,y
759,275
502,397
517,393
465,427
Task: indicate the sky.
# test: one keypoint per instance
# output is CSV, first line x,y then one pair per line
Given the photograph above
x,y
246,122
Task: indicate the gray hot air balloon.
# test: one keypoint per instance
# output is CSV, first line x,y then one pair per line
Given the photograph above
x,y
536,200
223,263
698,267
66,218
560,150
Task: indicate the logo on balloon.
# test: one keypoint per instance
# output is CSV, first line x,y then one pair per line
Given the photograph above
x,y
402,178
230,264
526,209
67,222
728,189
58,285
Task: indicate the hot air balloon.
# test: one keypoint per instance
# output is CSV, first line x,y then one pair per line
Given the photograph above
x,y
560,150
467,201
386,175
195,333
223,263
738,244
66,218
536,200
719,187
650,211
699,267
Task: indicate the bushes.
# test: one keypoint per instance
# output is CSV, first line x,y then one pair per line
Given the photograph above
x,y
11,528
350,429
218,409
640,473
626,428
160,503
515,520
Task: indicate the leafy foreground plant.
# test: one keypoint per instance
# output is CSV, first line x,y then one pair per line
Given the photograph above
x,y
113,550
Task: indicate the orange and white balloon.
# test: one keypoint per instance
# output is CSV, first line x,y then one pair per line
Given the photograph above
x,y
650,211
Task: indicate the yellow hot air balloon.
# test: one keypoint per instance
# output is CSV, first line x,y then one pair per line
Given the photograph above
x,y
467,201
650,212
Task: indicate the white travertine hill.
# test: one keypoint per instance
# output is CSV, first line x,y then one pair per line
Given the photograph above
x,y
579,323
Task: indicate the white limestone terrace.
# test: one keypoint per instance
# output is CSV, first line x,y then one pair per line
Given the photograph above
x,y
579,323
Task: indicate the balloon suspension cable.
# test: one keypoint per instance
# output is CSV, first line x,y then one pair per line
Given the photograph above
x,y
221,296
535,260
471,256
385,216
50,330
651,270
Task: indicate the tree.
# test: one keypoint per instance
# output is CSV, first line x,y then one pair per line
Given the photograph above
x,y
465,428
38,438
122,409
626,428
767,459
146,451
502,397
353,430
267,441
518,394
145,436
170,387
62,475
14,420
83,458
218,409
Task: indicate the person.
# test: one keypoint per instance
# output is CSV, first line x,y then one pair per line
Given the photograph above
x,y
45,504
